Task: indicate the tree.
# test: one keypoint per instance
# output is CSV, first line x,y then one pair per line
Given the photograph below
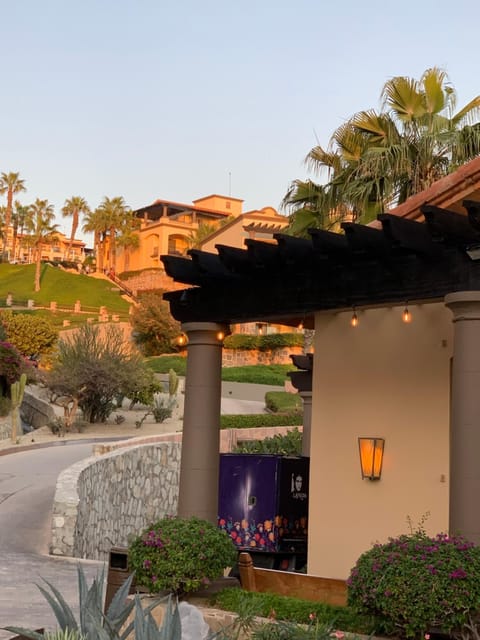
x,y
41,231
128,237
112,213
377,160
154,327
19,218
92,368
30,334
10,183
74,207
94,223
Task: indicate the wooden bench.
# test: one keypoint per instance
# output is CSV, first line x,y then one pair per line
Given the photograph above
x,y
287,583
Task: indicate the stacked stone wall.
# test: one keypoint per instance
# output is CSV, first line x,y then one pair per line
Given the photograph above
x,y
243,357
100,502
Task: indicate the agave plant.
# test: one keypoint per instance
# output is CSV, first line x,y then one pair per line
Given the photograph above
x,y
94,624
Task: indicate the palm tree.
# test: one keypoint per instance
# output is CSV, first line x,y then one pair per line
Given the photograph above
x,y
93,223
73,207
113,212
41,231
378,159
11,184
19,218
128,237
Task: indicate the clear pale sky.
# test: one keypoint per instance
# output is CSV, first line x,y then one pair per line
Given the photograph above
x,y
167,99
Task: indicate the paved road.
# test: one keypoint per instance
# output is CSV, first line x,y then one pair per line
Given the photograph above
x,y
27,486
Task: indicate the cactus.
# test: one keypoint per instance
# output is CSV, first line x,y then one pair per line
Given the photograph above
x,y
172,382
17,390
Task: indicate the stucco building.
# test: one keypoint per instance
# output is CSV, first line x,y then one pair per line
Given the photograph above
x,y
173,228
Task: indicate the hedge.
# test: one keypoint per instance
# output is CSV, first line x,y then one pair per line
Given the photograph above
x,y
250,421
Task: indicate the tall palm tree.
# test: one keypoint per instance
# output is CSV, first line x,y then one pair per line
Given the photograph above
x,y
19,218
378,159
41,230
94,223
74,207
11,184
128,237
113,212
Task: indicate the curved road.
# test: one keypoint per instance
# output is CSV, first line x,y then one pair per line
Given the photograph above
x,y
27,487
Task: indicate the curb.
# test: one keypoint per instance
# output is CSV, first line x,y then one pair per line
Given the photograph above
x,y
61,443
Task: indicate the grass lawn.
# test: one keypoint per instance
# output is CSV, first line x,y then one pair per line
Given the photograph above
x,y
274,374
61,286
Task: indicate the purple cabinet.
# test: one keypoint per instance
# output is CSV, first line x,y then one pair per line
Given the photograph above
x,y
263,501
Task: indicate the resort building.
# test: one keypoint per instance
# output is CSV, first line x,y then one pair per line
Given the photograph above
x,y
173,228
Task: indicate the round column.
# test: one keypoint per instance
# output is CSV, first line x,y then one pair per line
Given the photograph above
x,y
198,495
306,397
465,415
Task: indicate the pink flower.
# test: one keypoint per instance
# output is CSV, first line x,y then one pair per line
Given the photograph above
x,y
337,634
312,616
427,636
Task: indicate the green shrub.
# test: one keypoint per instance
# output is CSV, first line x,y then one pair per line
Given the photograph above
x,y
12,365
249,421
414,583
293,609
5,405
289,444
241,341
267,342
94,369
29,333
283,402
163,364
180,554
271,341
273,374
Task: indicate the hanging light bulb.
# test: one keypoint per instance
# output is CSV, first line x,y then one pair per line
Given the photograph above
x,y
300,325
406,315
220,336
354,319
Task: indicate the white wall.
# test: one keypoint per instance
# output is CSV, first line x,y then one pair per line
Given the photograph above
x,y
389,379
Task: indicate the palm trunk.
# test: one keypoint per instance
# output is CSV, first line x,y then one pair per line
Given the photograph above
x,y
38,257
72,235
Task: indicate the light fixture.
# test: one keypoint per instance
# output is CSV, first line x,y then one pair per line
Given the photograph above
x,y
371,457
300,324
354,318
182,340
220,336
406,315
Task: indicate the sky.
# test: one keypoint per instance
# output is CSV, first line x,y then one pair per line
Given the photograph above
x,y
177,100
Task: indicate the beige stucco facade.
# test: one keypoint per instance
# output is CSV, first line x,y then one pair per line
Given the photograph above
x,y
388,379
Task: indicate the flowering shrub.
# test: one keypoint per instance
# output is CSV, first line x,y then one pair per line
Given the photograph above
x,y
415,583
180,555
12,365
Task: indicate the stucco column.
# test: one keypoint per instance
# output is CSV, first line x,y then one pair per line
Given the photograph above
x,y
465,415
198,494
306,397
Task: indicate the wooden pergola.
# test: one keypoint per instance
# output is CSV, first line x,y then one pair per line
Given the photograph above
x,y
291,280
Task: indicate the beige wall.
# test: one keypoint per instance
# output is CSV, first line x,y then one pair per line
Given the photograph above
x,y
388,379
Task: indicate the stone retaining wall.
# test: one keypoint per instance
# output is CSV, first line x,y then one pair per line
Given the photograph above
x,y
99,502
250,357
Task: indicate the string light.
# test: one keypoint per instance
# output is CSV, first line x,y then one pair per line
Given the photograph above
x,y
220,336
406,315
300,325
354,319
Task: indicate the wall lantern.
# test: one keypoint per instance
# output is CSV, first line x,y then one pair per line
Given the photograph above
x,y
371,457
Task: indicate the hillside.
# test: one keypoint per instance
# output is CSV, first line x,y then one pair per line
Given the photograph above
x,y
60,286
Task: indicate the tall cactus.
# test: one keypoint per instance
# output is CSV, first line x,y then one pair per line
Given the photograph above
x,y
17,390
172,382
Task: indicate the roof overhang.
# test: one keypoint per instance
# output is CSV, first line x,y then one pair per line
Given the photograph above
x,y
291,279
